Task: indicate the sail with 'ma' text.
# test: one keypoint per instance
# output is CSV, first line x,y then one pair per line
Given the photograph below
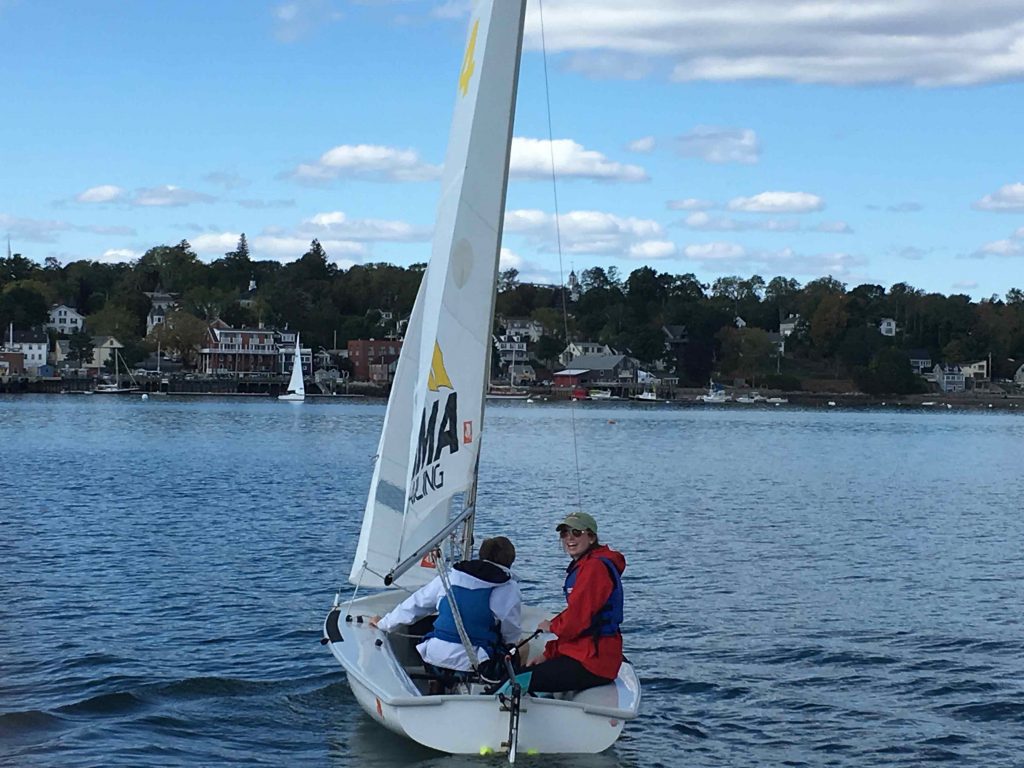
x,y
427,457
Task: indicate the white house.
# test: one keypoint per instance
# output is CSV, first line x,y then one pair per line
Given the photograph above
x,y
887,326
65,319
522,326
161,305
977,370
950,378
1018,377
920,361
103,350
512,348
33,344
581,348
787,326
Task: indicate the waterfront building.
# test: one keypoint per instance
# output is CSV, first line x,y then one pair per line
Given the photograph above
x,y
240,351
920,361
103,350
511,349
12,363
525,327
949,377
598,369
285,341
33,344
65,319
577,349
374,359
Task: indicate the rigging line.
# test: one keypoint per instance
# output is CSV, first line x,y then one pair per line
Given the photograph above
x,y
558,240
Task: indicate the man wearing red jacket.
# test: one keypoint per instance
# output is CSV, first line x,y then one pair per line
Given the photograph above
x,y
587,651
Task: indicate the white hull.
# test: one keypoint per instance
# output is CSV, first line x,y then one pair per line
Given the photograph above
x,y
291,397
111,389
590,721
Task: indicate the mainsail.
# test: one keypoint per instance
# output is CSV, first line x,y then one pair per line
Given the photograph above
x,y
427,457
296,385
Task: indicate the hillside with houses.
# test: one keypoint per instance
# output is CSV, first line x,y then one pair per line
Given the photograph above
x,y
170,314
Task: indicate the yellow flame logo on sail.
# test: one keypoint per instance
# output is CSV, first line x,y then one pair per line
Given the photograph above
x,y
468,62
438,375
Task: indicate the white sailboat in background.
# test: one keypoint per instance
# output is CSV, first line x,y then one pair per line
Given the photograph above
x,y
115,387
422,495
296,391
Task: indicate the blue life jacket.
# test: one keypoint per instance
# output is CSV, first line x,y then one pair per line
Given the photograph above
x,y
608,619
475,610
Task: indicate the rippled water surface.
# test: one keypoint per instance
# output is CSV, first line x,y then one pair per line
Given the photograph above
x,y
804,587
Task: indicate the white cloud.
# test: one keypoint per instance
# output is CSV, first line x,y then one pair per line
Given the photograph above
x,y
531,159
372,162
652,249
714,252
339,225
227,179
1009,197
834,227
105,193
281,247
297,19
602,65
646,144
965,285
509,260
168,195
721,145
718,256
778,202
690,204
33,230
1008,248
117,255
583,232
263,204
922,42
705,222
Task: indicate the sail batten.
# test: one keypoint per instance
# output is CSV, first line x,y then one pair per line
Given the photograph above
x,y
433,425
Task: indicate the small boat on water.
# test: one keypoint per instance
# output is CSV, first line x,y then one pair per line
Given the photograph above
x,y
422,502
115,387
716,394
601,394
296,392
777,400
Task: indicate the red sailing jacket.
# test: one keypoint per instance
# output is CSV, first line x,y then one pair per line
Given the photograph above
x,y
593,588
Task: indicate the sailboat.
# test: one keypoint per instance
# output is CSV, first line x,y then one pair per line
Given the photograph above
x,y
296,391
114,387
422,502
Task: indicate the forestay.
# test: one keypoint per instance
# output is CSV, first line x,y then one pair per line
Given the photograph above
x,y
427,457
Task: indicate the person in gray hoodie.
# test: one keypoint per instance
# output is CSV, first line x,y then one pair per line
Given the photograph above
x,y
490,605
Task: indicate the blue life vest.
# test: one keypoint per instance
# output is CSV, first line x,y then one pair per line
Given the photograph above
x,y
475,610
608,619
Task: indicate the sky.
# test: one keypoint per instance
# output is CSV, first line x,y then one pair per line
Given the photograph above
x,y
875,142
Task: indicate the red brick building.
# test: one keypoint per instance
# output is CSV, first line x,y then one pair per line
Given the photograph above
x,y
374,359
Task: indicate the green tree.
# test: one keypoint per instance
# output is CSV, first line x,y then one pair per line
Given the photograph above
x,y
114,320
182,334
828,323
80,348
747,352
23,306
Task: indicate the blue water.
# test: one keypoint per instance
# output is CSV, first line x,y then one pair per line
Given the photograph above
x,y
804,587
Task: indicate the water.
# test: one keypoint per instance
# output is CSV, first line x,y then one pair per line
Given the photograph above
x,y
804,587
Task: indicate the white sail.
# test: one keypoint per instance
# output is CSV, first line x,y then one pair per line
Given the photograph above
x,y
427,456
296,385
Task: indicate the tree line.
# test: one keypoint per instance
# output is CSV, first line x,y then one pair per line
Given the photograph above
x,y
837,334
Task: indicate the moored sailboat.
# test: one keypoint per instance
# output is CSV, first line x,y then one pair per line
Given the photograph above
x,y
296,391
422,502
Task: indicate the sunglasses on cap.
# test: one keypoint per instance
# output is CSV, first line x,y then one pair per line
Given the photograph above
x,y
576,532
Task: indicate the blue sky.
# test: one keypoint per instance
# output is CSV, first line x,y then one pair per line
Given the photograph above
x,y
873,142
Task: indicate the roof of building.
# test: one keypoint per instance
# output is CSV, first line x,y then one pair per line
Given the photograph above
x,y
31,336
572,372
918,354
598,362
